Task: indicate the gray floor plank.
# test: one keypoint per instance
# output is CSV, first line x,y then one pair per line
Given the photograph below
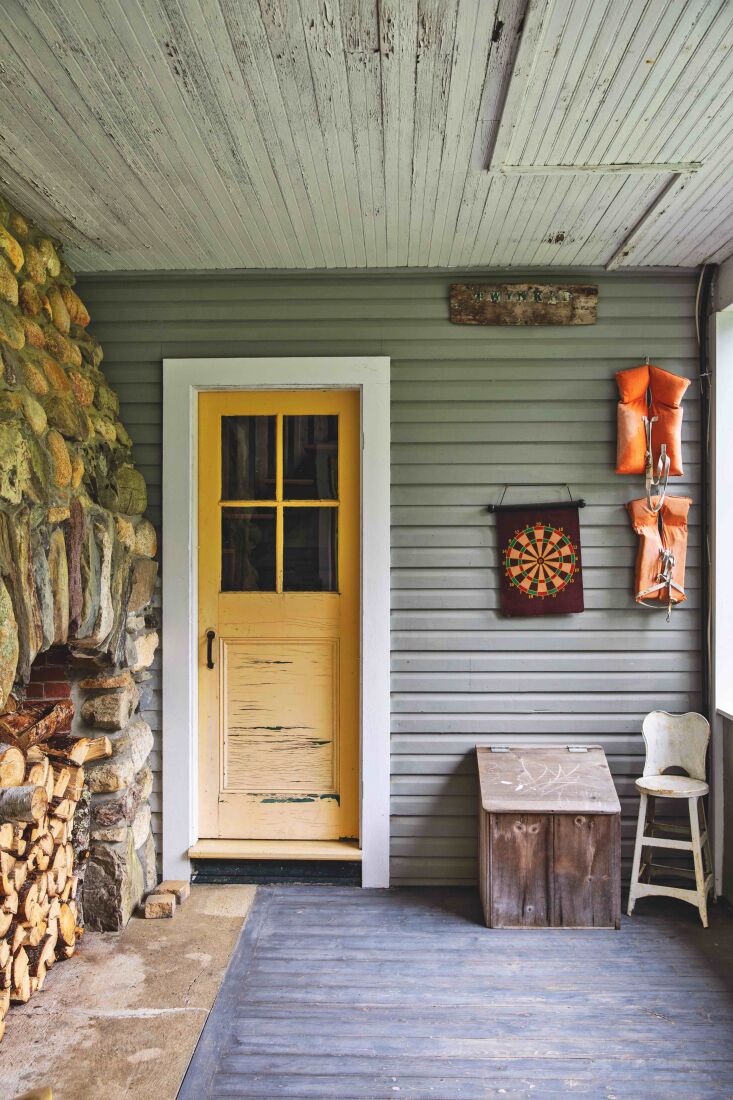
x,y
367,995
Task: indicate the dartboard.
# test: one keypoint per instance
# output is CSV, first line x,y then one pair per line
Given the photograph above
x,y
540,560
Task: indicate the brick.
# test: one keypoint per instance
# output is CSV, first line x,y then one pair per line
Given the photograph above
x,y
57,690
180,887
49,672
160,905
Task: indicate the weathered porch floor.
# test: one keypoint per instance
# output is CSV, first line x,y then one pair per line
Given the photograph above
x,y
338,992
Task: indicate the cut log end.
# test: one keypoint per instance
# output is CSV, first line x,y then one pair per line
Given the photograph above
x,y
67,925
39,789
27,804
12,766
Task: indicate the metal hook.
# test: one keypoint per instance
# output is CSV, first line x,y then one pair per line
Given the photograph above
x,y
654,484
664,580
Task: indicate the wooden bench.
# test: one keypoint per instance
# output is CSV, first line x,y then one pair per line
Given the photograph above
x,y
549,837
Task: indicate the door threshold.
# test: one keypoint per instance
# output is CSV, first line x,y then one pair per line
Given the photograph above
x,y
338,850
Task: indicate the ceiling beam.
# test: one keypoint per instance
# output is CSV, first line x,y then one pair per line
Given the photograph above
x,y
655,210
519,63
655,167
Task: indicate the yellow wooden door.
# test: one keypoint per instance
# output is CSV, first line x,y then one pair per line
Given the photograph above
x,y
278,475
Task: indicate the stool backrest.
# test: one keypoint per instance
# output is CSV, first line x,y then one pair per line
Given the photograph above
x,y
675,741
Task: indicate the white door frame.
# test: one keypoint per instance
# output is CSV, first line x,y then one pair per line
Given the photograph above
x,y
182,380
721,527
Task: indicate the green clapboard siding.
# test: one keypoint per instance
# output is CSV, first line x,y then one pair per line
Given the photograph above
x,y
472,409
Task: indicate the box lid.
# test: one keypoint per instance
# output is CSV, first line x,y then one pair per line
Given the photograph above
x,y
553,779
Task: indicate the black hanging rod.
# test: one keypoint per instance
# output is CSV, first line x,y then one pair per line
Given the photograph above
x,y
534,504
501,507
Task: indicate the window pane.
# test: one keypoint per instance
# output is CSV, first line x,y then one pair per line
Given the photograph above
x,y
248,457
310,551
248,549
310,459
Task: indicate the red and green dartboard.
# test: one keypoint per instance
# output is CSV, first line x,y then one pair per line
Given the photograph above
x,y
540,560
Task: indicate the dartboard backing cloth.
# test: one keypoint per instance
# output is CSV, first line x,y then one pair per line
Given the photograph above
x,y
540,560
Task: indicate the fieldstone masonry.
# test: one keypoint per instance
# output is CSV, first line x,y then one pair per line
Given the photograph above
x,y
77,558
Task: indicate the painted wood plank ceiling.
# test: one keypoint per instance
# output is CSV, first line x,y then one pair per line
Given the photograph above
x,y
227,134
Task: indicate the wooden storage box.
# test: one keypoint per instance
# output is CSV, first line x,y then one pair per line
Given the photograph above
x,y
549,837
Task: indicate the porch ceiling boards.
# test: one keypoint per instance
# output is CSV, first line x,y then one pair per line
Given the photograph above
x,y
199,134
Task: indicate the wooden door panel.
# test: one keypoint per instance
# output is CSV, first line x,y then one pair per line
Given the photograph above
x,y
521,866
280,727
586,870
273,816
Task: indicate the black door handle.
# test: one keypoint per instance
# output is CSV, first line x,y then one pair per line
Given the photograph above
x,y
210,635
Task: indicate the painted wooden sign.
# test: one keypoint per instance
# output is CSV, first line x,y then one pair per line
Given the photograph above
x,y
523,304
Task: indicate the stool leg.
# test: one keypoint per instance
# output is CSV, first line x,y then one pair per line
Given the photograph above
x,y
637,854
646,852
697,857
707,848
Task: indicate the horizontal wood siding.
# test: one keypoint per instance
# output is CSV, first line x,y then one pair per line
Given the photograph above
x,y
472,408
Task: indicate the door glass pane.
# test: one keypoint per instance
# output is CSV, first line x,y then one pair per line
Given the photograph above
x,y
248,549
310,457
310,550
248,457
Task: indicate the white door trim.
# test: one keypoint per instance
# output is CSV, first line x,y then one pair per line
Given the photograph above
x,y
721,530
182,380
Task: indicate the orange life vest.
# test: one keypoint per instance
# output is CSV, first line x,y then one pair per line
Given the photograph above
x,y
660,559
655,394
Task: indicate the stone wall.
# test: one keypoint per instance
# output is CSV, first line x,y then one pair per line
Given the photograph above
x,y
77,568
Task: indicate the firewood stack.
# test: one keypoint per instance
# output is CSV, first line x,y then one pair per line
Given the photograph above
x,y
41,782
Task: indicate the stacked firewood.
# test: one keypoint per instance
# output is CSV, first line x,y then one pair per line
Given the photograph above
x,y
41,783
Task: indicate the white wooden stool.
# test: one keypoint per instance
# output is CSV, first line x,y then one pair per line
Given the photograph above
x,y
673,741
